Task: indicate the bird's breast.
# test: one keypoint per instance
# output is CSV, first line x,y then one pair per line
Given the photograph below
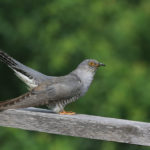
x,y
86,79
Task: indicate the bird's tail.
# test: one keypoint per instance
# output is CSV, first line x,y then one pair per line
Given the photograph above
x,y
26,74
8,60
12,63
29,76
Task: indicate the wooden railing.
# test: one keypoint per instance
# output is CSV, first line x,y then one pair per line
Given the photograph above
x,y
86,126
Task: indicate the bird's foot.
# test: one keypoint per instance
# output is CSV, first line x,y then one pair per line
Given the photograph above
x,y
67,113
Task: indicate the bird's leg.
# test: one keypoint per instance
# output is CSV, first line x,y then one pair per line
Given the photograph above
x,y
66,112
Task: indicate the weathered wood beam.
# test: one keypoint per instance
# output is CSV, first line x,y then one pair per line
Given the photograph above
x,y
93,127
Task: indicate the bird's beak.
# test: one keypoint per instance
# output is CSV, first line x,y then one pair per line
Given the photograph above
x,y
101,64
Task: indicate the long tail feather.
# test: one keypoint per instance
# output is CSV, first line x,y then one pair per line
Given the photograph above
x,y
28,75
7,59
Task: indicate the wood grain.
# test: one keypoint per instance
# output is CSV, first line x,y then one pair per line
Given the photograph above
x,y
93,127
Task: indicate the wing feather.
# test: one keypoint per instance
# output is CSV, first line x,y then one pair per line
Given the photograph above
x,y
64,88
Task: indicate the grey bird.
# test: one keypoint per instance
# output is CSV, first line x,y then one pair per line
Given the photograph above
x,y
54,92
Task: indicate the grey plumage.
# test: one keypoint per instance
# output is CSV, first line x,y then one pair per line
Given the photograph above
x,y
29,76
55,92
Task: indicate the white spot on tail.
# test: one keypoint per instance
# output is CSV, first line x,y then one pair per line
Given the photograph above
x,y
30,82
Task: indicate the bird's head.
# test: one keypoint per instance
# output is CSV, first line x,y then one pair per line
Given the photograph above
x,y
86,71
90,65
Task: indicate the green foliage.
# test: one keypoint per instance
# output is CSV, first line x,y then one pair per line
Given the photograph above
x,y
54,36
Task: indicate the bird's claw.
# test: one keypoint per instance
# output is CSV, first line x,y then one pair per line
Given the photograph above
x,y
67,113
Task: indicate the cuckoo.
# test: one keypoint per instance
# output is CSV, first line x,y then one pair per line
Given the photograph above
x,y
53,92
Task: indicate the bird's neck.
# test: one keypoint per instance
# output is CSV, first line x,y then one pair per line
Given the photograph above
x,y
86,78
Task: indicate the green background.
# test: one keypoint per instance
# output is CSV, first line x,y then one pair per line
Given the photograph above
x,y
54,36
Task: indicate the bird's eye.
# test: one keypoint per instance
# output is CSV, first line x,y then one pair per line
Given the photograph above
x,y
92,64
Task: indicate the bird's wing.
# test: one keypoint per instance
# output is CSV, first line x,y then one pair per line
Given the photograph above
x,y
61,90
29,76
